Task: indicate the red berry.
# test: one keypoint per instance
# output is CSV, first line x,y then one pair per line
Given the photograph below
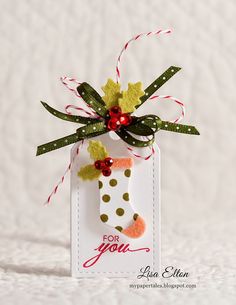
x,y
113,124
115,111
125,119
106,171
99,164
108,161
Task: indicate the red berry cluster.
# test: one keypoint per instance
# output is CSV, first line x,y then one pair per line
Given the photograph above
x,y
117,118
104,166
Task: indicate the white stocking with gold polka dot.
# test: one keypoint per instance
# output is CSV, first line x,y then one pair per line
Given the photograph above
x,y
116,209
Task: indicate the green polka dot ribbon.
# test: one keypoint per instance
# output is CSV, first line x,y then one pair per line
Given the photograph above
x,y
146,125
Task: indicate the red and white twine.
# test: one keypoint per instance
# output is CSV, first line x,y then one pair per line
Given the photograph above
x,y
118,75
68,107
177,101
76,153
137,37
135,154
66,82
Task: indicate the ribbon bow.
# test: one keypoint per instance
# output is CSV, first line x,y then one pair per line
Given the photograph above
x,y
146,125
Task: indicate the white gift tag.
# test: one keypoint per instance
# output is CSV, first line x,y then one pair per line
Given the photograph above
x,y
99,250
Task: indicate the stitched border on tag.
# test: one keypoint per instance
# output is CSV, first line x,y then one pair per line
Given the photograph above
x,y
78,271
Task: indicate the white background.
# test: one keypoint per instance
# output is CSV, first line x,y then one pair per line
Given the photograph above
x,y
43,40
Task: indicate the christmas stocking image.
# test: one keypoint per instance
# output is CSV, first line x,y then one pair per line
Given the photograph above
x,y
113,175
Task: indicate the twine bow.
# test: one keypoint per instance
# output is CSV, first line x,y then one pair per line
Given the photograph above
x,y
146,125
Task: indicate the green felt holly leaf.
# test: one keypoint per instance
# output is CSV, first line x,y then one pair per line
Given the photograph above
x,y
97,150
112,93
131,98
89,172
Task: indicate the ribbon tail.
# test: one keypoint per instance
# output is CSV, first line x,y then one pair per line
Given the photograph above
x,y
68,117
88,131
180,128
161,80
53,145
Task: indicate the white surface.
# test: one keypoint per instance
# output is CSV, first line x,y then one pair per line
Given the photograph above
x,y
42,40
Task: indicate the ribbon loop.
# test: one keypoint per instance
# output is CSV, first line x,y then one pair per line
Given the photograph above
x,y
92,98
125,136
145,126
